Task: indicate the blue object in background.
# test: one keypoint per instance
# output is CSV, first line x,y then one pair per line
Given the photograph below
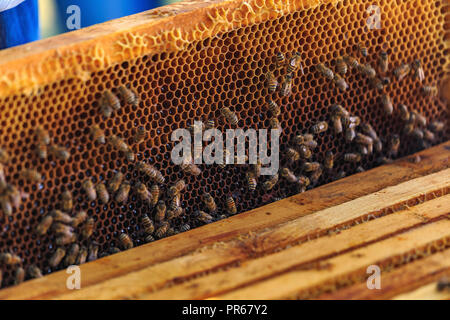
x,y
97,11
19,25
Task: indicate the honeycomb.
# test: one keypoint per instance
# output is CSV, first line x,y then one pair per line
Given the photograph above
x,y
182,76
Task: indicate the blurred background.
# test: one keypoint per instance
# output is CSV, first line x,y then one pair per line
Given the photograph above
x,y
31,20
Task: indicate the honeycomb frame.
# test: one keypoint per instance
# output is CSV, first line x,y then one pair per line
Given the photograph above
x,y
186,61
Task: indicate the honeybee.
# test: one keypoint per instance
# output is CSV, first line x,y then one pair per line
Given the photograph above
x,y
93,252
41,150
31,175
43,137
89,188
303,151
378,145
251,181
437,126
4,156
362,149
269,184
384,62
88,228
341,66
66,239
59,152
294,63
160,213
275,124
274,108
147,224
177,188
67,201
124,191
429,91
72,255
350,134
115,182
315,176
280,59
149,238
34,272
329,160
257,169
337,124
82,256
57,257
162,230
19,276
143,193
299,140
394,144
369,130
367,70
59,216
102,193
363,50
325,71
319,127
310,166
140,135
363,139
44,225
6,205
417,133
9,259
286,88
230,116
420,119
174,212
210,124
79,218
61,229
387,104
409,127
340,82
97,134
289,175
151,172
303,181
203,216
111,100
292,155
125,241
352,157
15,196
118,143
352,62
231,206
185,227
418,70
3,183
404,113
340,111
154,190
128,95
106,109
376,83
191,169
272,82
402,71
209,202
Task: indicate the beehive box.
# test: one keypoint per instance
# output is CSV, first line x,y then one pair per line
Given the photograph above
x,y
186,62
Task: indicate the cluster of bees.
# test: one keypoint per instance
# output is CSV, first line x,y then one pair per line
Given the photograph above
x,y
73,231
